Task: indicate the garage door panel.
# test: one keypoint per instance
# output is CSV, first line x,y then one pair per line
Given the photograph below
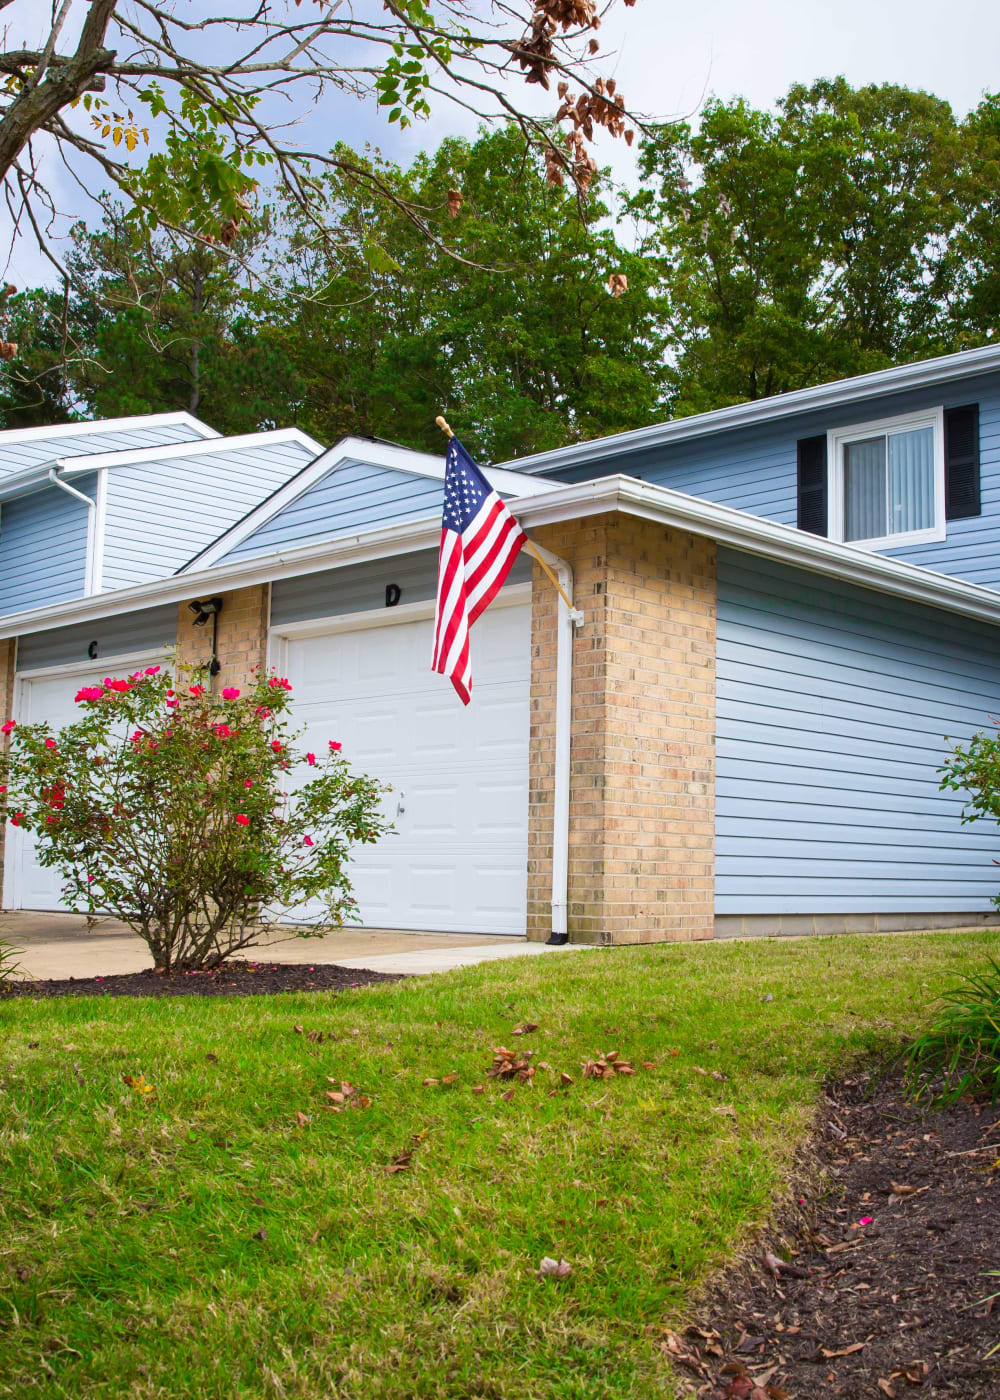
x,y
457,859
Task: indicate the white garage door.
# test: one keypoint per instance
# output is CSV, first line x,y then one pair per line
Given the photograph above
x,y
28,885
457,860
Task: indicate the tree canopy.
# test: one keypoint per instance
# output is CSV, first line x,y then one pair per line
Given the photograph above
x,y
843,231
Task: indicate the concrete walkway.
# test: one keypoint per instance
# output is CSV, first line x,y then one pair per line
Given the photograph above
x,y
60,945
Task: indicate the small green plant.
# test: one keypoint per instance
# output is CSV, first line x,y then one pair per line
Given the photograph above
x,y
975,770
9,966
190,815
960,1053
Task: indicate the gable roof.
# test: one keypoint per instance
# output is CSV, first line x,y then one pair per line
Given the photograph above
x,y
357,482
24,448
859,389
36,476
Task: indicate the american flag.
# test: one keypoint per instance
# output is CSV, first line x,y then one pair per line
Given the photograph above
x,y
480,540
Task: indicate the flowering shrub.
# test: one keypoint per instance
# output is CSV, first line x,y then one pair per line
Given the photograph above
x,y
188,815
975,770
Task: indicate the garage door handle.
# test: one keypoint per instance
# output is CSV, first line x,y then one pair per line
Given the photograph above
x,y
401,804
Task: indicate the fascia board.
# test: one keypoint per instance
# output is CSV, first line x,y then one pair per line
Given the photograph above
x,y
136,455
106,425
858,389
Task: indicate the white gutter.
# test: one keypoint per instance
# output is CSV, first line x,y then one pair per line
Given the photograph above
x,y
742,531
858,389
567,620
88,573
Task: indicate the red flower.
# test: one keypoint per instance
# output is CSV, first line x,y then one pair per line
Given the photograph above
x,y
17,818
307,841
6,728
50,743
222,731
170,703
51,819
281,681
230,693
311,760
335,747
196,690
241,820
138,737
151,670
117,685
248,782
276,746
89,692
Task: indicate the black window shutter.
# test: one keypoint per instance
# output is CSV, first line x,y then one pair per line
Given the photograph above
x,y
812,488
961,462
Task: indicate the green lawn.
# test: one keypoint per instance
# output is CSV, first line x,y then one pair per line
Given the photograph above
x,y
201,1241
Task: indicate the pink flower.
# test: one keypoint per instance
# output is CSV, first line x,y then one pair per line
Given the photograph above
x,y
3,787
196,690
335,747
866,1220
311,760
151,670
248,782
50,743
118,685
281,681
262,712
89,692
276,746
51,819
223,731
171,703
138,737
170,692
17,818
6,728
307,841
242,820
230,693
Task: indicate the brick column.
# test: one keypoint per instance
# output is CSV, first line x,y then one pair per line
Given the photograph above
x,y
642,788
242,644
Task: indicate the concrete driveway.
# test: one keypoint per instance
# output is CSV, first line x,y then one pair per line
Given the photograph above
x,y
60,945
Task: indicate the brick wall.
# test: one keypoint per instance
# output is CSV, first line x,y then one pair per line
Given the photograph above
x,y
242,641
642,819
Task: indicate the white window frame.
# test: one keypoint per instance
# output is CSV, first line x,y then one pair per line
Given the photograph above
x,y
838,438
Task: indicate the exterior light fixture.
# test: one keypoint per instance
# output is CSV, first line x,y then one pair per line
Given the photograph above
x,y
209,608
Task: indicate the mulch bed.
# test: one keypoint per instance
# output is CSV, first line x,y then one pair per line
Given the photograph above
x,y
236,979
874,1277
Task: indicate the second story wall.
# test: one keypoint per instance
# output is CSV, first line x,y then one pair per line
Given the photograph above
x,y
755,469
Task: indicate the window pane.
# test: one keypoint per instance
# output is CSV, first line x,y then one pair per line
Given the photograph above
x,y
911,480
864,489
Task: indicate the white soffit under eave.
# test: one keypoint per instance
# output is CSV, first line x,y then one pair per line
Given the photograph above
x,y
345,453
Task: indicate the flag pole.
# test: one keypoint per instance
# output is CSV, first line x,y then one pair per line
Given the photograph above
x,y
446,429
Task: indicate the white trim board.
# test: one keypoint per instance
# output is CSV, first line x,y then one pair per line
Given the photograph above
x,y
106,425
737,528
344,453
128,457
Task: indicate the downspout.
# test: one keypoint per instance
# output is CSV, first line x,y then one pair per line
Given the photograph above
x,y
57,480
567,620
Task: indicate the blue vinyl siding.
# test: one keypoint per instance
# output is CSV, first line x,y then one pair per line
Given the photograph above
x,y
354,497
18,456
834,703
755,470
148,629
43,547
361,587
162,513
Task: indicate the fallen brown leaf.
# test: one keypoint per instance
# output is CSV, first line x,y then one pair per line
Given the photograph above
x,y
844,1351
565,1078
479,1088
554,1268
302,1119
427,1082
449,1078
886,1387
400,1163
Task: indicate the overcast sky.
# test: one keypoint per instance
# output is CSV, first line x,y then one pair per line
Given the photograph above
x,y
668,56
